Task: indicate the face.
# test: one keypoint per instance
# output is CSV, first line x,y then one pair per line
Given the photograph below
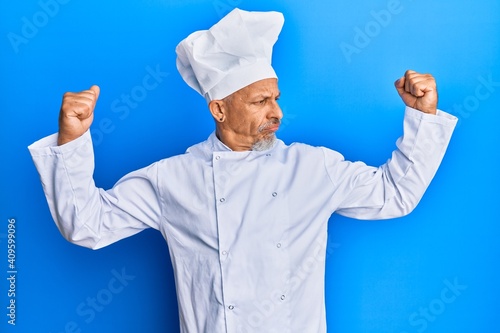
x,y
250,116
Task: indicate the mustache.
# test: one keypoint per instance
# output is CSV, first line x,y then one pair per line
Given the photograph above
x,y
272,122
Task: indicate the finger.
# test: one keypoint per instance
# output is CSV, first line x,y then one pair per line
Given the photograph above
x,y
414,85
96,90
86,95
400,85
422,84
91,94
418,89
80,108
410,76
80,105
407,84
415,82
411,73
416,77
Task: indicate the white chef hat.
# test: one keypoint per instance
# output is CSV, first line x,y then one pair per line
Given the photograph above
x,y
232,54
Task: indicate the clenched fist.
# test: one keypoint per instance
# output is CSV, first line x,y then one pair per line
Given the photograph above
x,y
418,91
77,113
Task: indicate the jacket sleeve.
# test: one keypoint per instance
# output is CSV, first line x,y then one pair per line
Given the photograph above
x,y
87,215
395,188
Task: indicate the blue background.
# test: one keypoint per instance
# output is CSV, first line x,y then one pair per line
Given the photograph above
x,y
380,275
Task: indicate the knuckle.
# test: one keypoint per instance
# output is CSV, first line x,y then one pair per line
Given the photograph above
x,y
66,106
409,72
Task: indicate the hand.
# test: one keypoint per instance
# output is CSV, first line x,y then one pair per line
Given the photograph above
x,y
77,114
418,91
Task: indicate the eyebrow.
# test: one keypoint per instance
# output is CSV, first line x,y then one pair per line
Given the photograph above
x,y
261,96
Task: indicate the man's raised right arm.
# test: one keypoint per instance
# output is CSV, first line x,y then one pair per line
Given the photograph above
x,y
87,215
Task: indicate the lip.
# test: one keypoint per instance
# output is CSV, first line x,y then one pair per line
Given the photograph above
x,y
273,128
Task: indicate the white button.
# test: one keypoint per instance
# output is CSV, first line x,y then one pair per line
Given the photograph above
x,y
224,253
231,307
275,194
217,157
278,245
282,297
222,199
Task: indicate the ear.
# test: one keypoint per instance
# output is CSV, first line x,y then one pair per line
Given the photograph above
x,y
217,110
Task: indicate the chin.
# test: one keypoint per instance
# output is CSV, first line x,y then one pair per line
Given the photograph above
x,y
265,143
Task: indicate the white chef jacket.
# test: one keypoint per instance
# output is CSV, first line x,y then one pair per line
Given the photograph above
x,y
246,230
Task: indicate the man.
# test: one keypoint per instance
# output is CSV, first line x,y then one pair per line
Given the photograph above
x,y
245,216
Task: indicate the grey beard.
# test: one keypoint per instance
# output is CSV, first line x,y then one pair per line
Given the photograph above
x,y
264,144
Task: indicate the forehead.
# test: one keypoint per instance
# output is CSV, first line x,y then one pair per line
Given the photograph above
x,y
262,87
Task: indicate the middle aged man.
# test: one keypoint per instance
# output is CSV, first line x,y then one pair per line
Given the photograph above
x,y
245,215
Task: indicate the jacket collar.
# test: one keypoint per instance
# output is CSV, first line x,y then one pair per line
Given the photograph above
x,y
213,144
216,144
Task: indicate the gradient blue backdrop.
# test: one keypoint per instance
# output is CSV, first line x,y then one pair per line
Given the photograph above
x,y
337,61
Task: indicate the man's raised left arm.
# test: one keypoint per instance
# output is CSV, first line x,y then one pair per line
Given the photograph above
x,y
395,188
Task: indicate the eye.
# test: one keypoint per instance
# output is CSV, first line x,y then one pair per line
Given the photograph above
x,y
261,102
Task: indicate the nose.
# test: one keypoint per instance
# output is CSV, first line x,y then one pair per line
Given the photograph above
x,y
276,111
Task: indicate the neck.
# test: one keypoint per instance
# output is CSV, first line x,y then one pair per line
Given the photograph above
x,y
233,141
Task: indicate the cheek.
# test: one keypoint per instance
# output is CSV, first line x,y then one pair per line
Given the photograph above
x,y
249,124
256,123
247,121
